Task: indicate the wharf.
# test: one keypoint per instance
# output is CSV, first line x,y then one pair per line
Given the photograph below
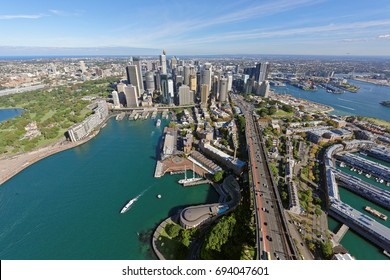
x,y
158,171
374,168
371,192
177,165
200,182
340,233
367,227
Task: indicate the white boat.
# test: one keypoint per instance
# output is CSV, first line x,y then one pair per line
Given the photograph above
x,y
128,204
158,123
189,180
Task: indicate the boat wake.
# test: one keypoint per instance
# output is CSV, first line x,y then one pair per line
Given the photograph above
x,y
350,101
349,108
132,201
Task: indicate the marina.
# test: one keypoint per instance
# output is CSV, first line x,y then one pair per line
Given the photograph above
x,y
381,172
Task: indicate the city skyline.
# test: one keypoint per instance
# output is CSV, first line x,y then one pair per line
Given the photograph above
x,y
312,27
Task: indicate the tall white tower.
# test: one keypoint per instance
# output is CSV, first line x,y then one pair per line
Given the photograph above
x,y
163,62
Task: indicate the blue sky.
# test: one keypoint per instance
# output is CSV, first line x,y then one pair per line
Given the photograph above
x,y
315,27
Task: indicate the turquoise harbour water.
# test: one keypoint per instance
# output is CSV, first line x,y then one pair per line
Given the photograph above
x,y
6,114
67,206
363,103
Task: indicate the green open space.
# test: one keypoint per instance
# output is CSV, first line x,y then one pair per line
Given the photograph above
x,y
53,111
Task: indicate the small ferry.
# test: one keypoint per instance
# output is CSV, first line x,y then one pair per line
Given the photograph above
x,y
158,123
128,204
376,213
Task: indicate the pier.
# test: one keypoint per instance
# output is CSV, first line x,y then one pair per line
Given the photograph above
x,y
340,233
376,169
200,182
361,223
371,192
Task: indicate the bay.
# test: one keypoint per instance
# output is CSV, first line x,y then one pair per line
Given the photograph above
x,y
365,102
67,206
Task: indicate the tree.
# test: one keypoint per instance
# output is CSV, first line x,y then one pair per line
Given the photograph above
x,y
185,237
327,249
172,230
218,176
218,237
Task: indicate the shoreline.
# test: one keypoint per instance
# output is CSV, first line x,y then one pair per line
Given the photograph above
x,y
13,164
372,81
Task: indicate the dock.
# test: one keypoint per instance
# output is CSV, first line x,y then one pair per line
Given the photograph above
x,y
380,171
340,233
371,192
190,184
159,170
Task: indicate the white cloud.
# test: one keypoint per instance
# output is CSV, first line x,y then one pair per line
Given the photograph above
x,y
6,17
64,13
384,37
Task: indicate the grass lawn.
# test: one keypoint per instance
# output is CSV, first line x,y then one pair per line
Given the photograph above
x,y
172,249
281,113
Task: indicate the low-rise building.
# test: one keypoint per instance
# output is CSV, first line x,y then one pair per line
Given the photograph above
x,y
223,158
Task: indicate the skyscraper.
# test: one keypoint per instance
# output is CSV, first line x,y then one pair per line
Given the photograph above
x,y
187,75
204,94
149,81
164,89
163,62
171,91
193,82
133,78
262,71
206,74
173,62
223,90
229,77
131,96
137,62
263,89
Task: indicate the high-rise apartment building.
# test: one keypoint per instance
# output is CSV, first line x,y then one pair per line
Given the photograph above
x,y
115,99
229,77
186,96
223,90
263,89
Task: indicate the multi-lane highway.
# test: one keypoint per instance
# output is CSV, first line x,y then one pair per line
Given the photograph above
x,y
273,239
